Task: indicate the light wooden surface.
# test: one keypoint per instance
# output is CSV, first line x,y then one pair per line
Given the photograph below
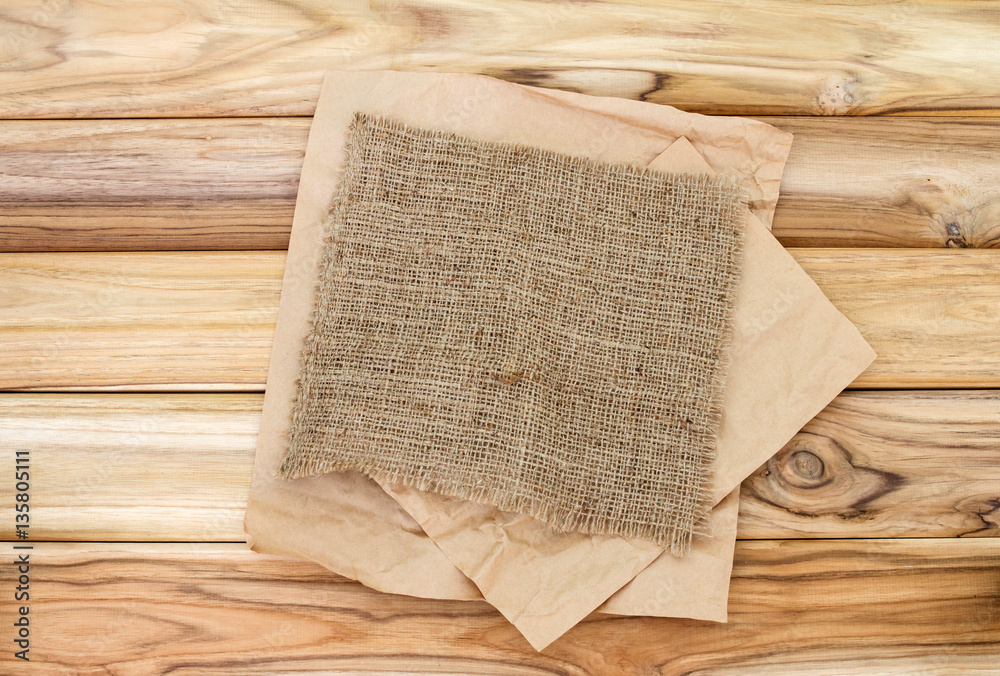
x,y
125,467
161,58
112,185
795,607
152,320
158,202
176,321
931,315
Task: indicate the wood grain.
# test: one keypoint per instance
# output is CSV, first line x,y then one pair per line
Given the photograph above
x,y
133,467
805,607
121,467
152,320
914,465
896,182
264,57
884,464
118,185
181,321
932,316
149,184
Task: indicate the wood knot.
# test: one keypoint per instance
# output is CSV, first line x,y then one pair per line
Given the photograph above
x,y
807,465
838,96
985,510
814,475
956,240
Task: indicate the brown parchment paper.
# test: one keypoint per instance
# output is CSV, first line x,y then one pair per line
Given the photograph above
x,y
697,586
345,522
543,581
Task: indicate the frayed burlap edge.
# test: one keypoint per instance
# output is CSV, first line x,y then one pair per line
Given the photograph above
x,y
676,540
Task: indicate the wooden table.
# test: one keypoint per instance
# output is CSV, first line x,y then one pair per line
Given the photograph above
x,y
149,156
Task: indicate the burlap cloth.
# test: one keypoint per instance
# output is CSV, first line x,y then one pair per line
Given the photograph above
x,y
543,333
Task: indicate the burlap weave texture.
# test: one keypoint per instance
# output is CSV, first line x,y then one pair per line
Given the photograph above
x,y
509,325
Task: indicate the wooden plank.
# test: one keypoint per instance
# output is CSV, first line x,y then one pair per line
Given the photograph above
x,y
230,184
799,607
182,321
133,467
884,464
149,184
932,316
177,467
145,320
889,182
263,57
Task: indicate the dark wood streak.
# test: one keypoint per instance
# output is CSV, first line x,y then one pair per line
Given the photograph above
x,y
988,511
661,82
534,77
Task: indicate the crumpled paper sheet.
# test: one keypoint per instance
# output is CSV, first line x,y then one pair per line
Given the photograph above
x,y
544,582
346,522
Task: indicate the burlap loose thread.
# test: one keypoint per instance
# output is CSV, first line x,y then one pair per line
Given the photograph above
x,y
509,325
